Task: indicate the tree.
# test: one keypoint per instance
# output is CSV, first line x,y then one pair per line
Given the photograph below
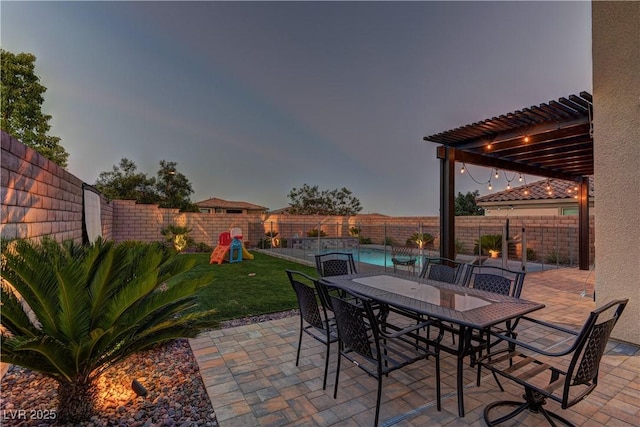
x,y
70,312
174,188
309,200
123,182
21,106
465,204
171,189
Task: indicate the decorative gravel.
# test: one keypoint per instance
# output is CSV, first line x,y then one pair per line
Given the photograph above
x,y
176,394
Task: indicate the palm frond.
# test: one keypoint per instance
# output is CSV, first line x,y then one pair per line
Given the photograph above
x,y
42,354
13,316
28,269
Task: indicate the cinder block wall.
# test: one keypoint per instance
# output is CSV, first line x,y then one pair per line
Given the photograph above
x,y
39,198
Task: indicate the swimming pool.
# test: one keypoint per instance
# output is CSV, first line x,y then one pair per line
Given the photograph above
x,y
373,256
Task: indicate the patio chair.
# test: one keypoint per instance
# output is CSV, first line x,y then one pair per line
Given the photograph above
x,y
375,347
314,318
335,264
495,279
443,270
500,281
539,371
403,256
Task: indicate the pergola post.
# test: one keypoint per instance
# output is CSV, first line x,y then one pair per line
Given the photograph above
x,y
447,199
583,224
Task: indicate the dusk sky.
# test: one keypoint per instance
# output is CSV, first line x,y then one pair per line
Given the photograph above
x,y
252,99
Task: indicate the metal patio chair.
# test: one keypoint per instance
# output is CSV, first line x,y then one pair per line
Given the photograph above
x,y
375,347
541,371
443,270
403,256
335,264
315,319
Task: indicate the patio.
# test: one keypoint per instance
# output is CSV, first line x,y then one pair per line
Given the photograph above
x,y
251,377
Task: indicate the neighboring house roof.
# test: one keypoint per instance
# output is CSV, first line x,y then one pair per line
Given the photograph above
x,y
558,190
214,202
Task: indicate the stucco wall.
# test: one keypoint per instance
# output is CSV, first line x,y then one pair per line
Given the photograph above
x,y
616,98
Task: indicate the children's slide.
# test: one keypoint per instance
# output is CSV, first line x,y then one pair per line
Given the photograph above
x,y
225,242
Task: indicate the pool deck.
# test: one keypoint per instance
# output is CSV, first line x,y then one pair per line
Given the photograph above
x,y
251,378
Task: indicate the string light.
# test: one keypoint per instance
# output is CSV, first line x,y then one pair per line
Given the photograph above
x,y
490,186
526,139
526,191
497,176
462,169
520,178
508,186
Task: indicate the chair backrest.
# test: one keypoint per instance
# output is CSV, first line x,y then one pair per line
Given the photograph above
x,y
442,269
356,323
495,279
403,253
335,264
309,300
590,347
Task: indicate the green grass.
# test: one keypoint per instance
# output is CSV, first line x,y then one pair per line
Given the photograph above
x,y
234,294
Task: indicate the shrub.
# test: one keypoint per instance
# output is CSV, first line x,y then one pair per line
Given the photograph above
x,y
531,254
178,236
202,247
488,242
420,240
557,257
314,233
365,241
70,312
387,241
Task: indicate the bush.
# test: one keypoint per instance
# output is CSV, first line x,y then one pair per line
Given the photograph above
x,y
202,247
488,242
531,254
420,239
557,257
387,241
178,236
366,241
314,233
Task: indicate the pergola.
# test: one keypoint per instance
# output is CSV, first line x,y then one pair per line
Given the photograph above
x,y
553,140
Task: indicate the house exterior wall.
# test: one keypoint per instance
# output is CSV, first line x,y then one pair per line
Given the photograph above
x,y
616,99
39,198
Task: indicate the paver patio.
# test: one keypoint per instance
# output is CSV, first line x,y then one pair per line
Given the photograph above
x,y
251,377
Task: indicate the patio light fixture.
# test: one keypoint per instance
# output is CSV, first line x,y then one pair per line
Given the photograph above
x,y
138,388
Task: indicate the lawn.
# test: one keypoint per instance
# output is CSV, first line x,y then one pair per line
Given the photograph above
x,y
247,288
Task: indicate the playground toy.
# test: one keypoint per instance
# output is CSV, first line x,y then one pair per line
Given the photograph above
x,y
230,247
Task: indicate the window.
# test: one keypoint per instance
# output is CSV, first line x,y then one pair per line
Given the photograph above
x,y
569,211
205,210
234,211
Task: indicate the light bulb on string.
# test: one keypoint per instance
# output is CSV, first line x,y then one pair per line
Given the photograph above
x,y
508,186
520,178
490,186
526,139
497,176
462,169
526,192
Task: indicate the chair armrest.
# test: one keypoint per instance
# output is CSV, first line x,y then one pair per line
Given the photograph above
x,y
537,349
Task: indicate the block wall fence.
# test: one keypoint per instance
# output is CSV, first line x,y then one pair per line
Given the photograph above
x,y
40,198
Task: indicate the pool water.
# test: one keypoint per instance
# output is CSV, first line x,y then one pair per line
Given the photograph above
x,y
374,256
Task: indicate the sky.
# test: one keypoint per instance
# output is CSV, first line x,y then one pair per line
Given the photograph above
x,y
252,99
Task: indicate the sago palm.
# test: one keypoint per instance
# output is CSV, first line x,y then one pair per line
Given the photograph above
x,y
70,312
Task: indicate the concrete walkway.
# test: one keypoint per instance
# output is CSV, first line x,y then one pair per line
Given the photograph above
x,y
252,380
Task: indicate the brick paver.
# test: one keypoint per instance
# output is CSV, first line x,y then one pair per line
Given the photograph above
x,y
252,380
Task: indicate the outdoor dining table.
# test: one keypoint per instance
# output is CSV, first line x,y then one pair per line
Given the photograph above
x,y
470,309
